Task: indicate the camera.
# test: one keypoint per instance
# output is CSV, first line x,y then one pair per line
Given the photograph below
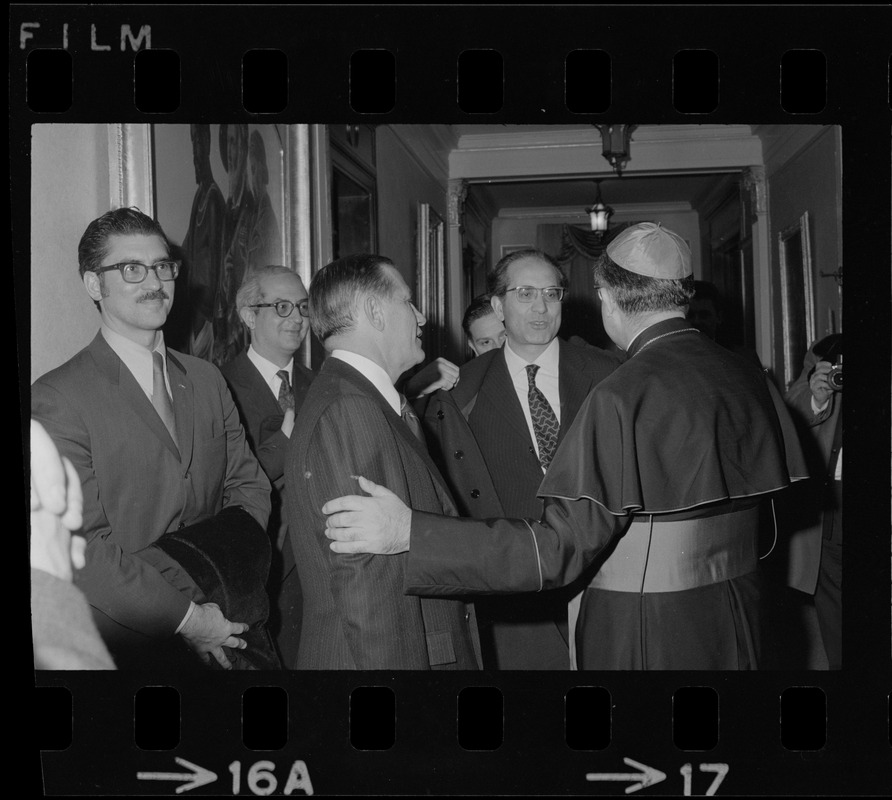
x,y
834,377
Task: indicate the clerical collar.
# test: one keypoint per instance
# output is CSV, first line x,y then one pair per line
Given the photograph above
x,y
666,327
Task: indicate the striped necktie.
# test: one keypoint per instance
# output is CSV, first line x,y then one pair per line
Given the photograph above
x,y
545,423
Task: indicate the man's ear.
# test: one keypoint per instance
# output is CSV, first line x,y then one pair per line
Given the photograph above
x,y
496,303
248,316
608,303
93,285
374,311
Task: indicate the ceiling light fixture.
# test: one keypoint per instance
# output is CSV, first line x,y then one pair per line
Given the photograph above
x,y
599,213
615,144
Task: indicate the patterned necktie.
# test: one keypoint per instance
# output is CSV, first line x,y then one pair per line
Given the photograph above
x,y
160,397
545,423
411,419
286,396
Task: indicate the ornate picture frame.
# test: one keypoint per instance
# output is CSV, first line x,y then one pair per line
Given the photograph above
x,y
217,235
431,276
797,294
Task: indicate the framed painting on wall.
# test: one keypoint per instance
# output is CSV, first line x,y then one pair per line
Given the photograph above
x,y
229,198
797,294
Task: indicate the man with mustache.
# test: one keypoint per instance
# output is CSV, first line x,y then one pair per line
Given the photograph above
x,y
156,440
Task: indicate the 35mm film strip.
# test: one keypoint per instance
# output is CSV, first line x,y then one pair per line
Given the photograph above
x,y
789,731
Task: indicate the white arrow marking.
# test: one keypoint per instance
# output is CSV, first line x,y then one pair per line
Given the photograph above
x,y
199,776
647,777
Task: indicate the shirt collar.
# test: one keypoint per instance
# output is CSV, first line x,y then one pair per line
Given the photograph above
x,y
547,360
124,346
136,358
374,373
265,367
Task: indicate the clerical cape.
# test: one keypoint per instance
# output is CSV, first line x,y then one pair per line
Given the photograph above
x,y
679,446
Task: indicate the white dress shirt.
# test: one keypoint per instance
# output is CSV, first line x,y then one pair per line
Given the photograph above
x,y
374,374
269,371
138,359
547,380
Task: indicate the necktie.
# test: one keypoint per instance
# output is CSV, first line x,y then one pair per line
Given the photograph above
x,y
545,423
411,419
286,396
160,397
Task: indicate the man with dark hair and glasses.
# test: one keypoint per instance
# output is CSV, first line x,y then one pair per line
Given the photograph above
x,y
494,435
157,443
653,495
268,386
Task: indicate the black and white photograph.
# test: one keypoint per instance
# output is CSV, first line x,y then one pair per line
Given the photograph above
x,y
323,403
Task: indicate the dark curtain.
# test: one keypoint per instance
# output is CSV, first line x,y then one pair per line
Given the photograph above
x,y
576,249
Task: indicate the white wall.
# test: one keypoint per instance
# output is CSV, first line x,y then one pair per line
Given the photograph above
x,y
69,189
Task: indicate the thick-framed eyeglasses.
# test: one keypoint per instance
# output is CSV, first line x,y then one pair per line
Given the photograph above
x,y
285,307
527,294
136,272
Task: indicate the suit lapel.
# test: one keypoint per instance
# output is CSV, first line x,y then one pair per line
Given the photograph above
x,y
575,384
132,395
394,420
263,399
499,398
183,406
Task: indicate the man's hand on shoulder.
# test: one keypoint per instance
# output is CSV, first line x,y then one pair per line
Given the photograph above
x,y
207,631
438,374
380,524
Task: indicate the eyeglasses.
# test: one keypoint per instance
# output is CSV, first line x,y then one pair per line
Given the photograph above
x,y
136,272
285,307
527,294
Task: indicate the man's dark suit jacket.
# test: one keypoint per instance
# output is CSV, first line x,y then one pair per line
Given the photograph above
x,y
821,437
355,612
262,419
480,439
136,485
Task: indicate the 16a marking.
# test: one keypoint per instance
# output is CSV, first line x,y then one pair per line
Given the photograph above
x,y
261,780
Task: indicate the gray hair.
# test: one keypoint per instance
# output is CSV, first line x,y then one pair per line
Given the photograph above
x,y
250,293
337,288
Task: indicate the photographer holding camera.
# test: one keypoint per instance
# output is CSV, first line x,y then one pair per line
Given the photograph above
x,y
816,560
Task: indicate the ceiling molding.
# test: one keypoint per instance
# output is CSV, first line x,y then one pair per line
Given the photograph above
x,y
626,209
513,152
781,143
